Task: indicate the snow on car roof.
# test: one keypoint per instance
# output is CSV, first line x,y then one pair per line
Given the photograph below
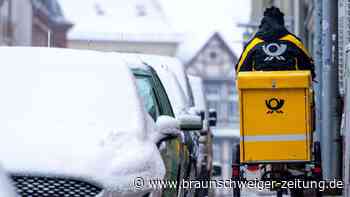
x,y
176,67
171,84
169,80
118,20
47,91
198,92
133,60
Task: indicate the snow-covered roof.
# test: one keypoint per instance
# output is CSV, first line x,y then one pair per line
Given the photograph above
x,y
193,43
118,20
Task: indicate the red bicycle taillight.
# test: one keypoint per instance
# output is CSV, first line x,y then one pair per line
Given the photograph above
x,y
235,171
253,167
316,170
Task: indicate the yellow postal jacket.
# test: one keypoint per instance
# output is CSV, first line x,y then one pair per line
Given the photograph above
x,y
285,53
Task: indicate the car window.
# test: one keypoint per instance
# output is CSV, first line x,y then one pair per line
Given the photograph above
x,y
166,108
190,92
175,93
145,89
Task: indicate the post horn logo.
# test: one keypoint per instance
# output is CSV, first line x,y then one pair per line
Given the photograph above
x,y
274,105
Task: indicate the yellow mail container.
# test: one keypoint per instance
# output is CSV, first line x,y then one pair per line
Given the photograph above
x,y
275,116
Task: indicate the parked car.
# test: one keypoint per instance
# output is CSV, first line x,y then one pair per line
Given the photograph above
x,y
72,124
6,187
157,102
179,101
205,158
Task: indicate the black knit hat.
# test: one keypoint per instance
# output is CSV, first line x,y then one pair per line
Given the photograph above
x,y
275,13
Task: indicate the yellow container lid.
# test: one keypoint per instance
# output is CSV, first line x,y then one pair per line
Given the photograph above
x,y
273,79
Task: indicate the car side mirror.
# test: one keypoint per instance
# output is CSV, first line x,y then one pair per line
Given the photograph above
x,y
213,117
190,122
217,170
167,127
196,111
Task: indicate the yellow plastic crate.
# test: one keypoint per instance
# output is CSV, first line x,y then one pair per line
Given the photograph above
x,y
275,116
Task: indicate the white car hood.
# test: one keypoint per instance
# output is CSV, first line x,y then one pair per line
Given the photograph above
x,y
113,162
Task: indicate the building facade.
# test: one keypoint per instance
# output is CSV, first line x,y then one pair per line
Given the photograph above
x,y
213,60
344,65
32,23
296,13
49,27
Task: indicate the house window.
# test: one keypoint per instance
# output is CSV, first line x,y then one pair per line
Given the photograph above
x,y
217,151
141,10
213,55
214,105
99,10
232,111
213,89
